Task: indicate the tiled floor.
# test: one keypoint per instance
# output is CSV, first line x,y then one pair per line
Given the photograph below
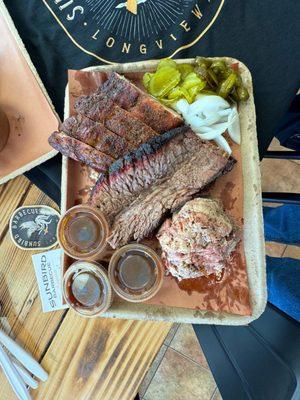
x,y
180,370
287,180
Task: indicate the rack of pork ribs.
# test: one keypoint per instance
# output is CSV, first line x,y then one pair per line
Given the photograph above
x,y
149,162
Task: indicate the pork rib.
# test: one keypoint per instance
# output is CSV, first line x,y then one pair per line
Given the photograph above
x,y
96,135
80,151
140,104
101,109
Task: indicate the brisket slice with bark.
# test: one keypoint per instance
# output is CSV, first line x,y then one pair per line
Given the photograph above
x,y
139,169
158,177
146,213
80,151
140,104
100,109
96,135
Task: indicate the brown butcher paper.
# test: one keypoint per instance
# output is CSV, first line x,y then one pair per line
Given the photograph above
x,y
231,293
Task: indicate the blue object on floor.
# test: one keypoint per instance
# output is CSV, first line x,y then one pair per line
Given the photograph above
x,y
283,279
283,274
282,224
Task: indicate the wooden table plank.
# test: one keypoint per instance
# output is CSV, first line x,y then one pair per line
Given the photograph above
x,y
100,358
86,358
21,314
11,194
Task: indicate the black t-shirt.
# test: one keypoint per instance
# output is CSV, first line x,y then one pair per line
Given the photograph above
x,y
265,35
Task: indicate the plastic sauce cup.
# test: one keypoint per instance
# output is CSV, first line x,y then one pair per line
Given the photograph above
x,y
82,233
87,289
135,272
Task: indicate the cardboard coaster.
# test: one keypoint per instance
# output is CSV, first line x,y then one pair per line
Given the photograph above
x,y
34,227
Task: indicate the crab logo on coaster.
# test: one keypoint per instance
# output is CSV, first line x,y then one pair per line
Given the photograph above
x,y
34,227
122,31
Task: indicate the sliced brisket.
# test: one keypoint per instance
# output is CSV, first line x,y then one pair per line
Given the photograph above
x,y
96,135
158,177
145,214
80,151
139,169
101,109
140,104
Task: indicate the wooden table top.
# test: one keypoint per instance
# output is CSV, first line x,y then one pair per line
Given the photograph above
x,y
86,358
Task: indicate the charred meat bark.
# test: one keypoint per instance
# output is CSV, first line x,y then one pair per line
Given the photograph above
x,y
151,163
80,151
116,119
145,214
159,176
139,169
140,104
100,109
96,135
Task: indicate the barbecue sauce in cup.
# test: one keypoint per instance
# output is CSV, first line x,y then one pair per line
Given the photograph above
x,y
87,289
82,233
135,272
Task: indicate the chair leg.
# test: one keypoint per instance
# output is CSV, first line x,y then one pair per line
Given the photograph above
x,y
259,361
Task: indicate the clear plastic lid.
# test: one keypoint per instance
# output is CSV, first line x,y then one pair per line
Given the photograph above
x,y
135,272
82,233
87,289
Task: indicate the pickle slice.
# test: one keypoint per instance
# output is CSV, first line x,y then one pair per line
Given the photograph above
x,y
166,62
172,82
163,81
193,91
191,80
179,93
146,79
168,102
185,69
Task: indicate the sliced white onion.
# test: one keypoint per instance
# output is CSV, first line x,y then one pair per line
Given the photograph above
x,y
210,120
234,126
209,103
211,116
222,142
210,133
182,106
225,113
